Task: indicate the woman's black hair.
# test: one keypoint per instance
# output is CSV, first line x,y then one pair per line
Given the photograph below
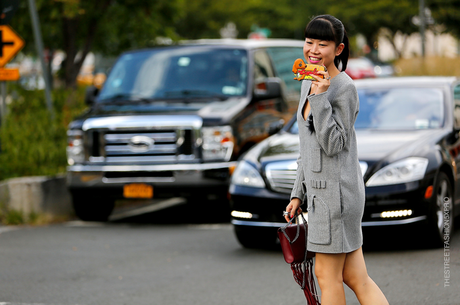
x,y
329,28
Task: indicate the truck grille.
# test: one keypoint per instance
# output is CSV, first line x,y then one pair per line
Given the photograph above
x,y
145,144
281,175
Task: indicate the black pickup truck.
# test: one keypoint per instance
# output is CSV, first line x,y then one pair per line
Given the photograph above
x,y
172,121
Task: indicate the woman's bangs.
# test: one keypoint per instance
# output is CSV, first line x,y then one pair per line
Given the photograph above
x,y
320,29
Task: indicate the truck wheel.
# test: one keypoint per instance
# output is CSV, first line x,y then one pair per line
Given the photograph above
x,y
259,238
441,218
93,209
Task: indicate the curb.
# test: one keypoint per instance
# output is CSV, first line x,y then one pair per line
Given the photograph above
x,y
42,195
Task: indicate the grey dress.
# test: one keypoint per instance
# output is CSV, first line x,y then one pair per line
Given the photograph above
x,y
328,174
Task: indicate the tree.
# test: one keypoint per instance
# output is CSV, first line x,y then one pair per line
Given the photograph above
x,y
369,17
447,13
284,18
108,26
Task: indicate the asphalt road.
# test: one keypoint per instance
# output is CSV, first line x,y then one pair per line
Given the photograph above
x,y
187,255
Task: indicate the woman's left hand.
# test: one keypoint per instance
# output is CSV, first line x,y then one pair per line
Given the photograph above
x,y
321,84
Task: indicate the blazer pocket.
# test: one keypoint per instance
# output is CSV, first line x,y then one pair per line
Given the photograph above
x,y
319,222
315,160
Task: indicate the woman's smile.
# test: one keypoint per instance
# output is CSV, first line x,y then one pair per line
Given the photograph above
x,y
314,60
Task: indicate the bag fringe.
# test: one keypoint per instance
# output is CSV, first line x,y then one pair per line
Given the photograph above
x,y
303,275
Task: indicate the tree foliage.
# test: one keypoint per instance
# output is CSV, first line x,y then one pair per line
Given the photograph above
x,y
284,18
447,13
113,26
109,26
369,17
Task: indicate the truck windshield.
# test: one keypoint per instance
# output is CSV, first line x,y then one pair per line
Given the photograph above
x,y
177,73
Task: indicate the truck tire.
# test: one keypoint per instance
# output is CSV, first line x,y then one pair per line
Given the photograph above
x,y
256,238
93,208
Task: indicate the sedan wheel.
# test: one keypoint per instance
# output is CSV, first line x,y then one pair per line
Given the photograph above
x,y
442,212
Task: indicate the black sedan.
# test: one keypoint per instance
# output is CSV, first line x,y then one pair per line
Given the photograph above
x,y
408,132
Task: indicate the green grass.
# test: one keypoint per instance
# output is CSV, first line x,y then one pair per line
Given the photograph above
x,y
31,143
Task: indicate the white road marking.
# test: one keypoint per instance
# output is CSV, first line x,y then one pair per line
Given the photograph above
x,y
79,223
211,226
149,209
7,229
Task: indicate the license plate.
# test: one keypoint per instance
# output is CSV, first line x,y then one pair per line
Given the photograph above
x,y
138,190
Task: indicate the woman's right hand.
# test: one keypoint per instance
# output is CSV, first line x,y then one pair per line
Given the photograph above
x,y
292,207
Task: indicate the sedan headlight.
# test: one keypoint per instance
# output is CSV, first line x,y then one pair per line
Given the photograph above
x,y
75,152
403,171
246,175
217,143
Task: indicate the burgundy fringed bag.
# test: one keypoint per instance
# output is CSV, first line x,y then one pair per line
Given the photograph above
x,y
293,239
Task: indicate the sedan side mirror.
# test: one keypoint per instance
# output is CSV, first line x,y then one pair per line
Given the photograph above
x,y
90,95
269,88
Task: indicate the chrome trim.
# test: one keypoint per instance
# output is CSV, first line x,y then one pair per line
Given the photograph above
x,y
392,222
122,138
143,168
281,175
138,179
364,224
115,159
258,223
147,148
142,122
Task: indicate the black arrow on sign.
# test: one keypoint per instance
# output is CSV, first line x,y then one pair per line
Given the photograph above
x,y
4,43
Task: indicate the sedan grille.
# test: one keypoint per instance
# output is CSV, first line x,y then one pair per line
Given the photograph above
x,y
281,175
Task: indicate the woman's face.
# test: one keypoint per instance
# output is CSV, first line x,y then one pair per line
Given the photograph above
x,y
321,52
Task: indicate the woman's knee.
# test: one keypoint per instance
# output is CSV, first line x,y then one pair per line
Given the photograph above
x,y
356,281
328,275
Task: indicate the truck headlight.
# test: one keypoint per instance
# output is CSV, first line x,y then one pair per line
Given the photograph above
x,y
246,175
403,171
218,143
75,152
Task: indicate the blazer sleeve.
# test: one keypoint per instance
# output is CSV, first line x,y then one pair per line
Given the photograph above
x,y
298,189
334,118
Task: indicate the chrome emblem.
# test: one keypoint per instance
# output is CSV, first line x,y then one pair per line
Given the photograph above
x,y
141,143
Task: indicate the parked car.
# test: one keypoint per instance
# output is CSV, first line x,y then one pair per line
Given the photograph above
x,y
408,133
362,67
172,121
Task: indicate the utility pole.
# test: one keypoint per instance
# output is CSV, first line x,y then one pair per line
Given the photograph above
x,y
39,45
422,24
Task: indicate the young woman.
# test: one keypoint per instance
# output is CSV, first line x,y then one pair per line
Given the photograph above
x,y
329,176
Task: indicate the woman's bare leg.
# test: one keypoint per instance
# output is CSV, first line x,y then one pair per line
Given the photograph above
x,y
355,276
329,272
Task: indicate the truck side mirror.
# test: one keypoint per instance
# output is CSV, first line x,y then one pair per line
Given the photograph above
x,y
269,88
275,127
90,95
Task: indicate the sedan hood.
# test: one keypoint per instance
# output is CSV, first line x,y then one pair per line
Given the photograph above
x,y
374,145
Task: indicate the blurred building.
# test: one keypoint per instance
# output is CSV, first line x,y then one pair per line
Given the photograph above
x,y
436,44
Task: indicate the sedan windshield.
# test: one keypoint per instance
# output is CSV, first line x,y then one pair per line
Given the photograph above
x,y
189,72
398,109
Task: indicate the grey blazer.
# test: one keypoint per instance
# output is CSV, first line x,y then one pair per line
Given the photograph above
x,y
328,174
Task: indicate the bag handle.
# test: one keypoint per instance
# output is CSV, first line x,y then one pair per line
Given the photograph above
x,y
298,227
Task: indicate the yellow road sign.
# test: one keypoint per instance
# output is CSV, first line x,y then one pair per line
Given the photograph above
x,y
9,74
10,44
